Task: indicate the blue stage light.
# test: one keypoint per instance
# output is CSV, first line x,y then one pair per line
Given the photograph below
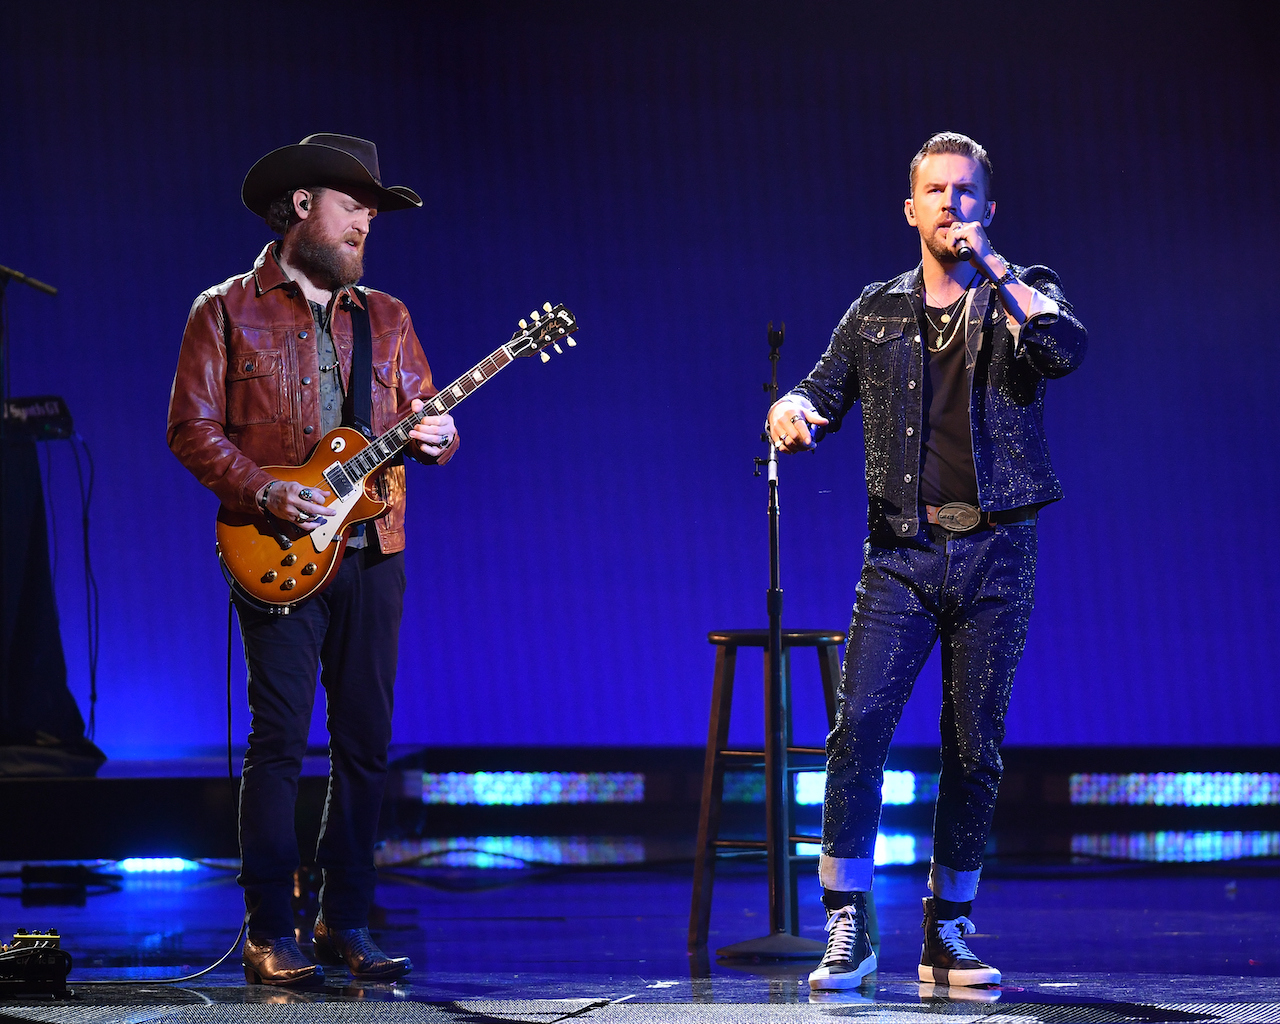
x,y
1178,789
155,865
897,788
512,852
1178,847
521,788
891,848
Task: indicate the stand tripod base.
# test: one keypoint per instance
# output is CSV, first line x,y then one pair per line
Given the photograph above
x,y
778,946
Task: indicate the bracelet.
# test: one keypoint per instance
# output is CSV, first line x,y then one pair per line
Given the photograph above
x,y
1008,277
262,501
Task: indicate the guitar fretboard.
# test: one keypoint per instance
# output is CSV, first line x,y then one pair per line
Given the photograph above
x,y
385,447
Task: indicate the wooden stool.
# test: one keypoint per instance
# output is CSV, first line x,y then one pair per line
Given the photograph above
x,y
727,642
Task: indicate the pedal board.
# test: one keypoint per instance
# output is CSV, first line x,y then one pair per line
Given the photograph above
x,y
34,963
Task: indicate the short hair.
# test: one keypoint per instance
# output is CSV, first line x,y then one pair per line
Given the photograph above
x,y
952,142
280,213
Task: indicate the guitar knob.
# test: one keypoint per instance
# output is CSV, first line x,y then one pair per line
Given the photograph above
x,y
269,576
289,559
289,583
308,569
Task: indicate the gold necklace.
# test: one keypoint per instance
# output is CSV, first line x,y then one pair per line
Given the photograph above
x,y
943,341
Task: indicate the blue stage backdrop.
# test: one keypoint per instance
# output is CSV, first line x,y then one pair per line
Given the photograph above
x,y
679,175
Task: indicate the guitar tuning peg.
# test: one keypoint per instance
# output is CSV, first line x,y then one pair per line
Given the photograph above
x,y
536,316
546,307
556,345
570,342
524,324
544,357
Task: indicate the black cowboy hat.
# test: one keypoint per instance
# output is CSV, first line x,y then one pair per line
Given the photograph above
x,y
334,161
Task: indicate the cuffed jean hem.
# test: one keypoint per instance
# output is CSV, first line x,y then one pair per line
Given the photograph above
x,y
846,874
952,885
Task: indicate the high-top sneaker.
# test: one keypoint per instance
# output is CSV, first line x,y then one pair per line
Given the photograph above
x,y
945,959
849,956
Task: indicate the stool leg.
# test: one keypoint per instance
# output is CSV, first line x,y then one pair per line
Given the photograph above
x,y
704,863
829,669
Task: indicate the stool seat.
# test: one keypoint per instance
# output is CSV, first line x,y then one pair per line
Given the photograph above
x,y
760,637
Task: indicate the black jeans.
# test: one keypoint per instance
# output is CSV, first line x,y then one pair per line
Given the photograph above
x,y
975,591
350,634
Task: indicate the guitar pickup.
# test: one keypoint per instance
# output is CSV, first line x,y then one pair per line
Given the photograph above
x,y
336,477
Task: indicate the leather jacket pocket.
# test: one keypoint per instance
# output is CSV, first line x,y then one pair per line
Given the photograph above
x,y
881,348
386,394
254,387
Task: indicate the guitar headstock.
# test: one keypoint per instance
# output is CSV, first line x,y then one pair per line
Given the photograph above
x,y
548,328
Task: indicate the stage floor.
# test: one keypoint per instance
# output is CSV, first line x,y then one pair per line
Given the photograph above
x,y
1076,942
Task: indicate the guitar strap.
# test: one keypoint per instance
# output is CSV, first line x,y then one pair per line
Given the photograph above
x,y
361,365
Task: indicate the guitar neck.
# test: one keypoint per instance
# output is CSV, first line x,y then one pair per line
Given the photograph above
x,y
385,447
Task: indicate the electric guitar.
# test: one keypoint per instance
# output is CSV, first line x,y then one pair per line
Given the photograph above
x,y
273,564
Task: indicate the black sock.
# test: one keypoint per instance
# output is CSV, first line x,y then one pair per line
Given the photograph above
x,y
833,899
949,911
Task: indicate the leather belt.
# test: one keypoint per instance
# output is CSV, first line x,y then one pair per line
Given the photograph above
x,y
959,517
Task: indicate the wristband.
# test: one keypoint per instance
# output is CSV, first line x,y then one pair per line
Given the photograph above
x,y
262,501
1008,277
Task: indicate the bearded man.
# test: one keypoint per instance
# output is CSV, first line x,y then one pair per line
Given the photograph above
x,y
270,363
949,362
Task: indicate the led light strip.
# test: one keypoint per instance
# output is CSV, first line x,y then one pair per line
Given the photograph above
x,y
1178,847
521,788
1178,789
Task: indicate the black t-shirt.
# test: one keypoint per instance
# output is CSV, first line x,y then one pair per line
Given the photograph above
x,y
946,450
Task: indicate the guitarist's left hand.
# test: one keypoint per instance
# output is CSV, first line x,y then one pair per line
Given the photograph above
x,y
434,434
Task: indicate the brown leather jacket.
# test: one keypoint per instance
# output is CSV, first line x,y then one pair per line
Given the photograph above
x,y
247,390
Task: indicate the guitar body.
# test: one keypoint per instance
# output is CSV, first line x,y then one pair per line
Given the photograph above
x,y
276,565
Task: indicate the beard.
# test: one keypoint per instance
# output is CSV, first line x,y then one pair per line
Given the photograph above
x,y
939,250
326,260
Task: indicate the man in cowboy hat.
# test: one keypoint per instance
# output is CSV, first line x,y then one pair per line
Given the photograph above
x,y
266,369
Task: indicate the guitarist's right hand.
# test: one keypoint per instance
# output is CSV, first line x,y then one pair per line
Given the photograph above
x,y
290,502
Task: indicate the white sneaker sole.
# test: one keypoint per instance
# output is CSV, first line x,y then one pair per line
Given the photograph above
x,y
942,976
823,979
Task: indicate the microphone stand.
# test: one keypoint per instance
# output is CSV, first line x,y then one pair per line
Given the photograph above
x,y
783,941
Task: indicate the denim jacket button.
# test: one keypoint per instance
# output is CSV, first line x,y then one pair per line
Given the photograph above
x,y
910,431
905,527
907,478
911,384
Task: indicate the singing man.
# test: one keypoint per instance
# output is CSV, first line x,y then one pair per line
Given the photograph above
x,y
949,362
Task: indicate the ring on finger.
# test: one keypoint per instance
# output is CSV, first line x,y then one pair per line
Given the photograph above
x,y
305,494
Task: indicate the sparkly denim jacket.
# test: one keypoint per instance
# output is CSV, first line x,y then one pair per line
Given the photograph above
x,y
876,357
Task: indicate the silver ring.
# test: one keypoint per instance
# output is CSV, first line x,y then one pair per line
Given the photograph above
x,y
305,494
796,418
445,441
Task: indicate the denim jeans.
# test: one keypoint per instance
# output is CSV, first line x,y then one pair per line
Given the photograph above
x,y
975,591
349,633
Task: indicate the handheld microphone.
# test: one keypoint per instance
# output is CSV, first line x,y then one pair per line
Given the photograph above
x,y
964,252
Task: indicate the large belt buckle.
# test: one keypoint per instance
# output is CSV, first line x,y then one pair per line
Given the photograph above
x,y
958,517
